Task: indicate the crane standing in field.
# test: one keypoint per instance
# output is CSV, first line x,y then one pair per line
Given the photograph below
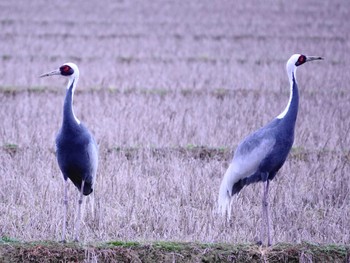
x,y
260,155
76,149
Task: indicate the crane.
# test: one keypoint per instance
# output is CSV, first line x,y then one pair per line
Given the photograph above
x,y
262,153
76,149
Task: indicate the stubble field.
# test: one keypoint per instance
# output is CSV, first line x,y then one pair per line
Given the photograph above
x,y
169,89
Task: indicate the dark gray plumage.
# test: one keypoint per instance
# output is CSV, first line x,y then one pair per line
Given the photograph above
x,y
260,155
76,149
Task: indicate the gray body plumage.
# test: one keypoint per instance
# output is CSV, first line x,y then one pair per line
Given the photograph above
x,y
76,149
268,147
261,154
77,157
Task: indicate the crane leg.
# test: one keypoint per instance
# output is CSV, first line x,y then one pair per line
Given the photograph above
x,y
265,214
77,223
65,204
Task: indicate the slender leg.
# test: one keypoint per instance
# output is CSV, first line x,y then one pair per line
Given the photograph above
x,y
65,204
265,224
262,230
268,214
77,223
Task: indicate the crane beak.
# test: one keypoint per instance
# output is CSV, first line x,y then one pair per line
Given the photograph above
x,y
311,58
55,72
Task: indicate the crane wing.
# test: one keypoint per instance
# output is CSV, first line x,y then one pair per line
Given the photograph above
x,y
248,156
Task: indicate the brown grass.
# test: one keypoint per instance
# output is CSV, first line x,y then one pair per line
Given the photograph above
x,y
156,80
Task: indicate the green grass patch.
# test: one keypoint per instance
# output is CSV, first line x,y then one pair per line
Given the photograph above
x,y
7,239
123,243
170,246
10,148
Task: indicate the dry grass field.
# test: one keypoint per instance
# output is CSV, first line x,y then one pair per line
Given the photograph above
x,y
169,88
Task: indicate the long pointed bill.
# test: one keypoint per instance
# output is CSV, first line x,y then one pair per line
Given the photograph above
x,y
311,58
55,72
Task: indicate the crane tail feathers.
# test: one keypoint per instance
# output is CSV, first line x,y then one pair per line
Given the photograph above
x,y
225,194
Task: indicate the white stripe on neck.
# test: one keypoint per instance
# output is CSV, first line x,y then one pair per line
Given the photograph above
x,y
290,76
73,89
283,113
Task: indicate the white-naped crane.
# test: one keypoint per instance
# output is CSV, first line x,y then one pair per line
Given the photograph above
x,y
76,149
260,155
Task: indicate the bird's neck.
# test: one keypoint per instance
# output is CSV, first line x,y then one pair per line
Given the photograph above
x,y
68,112
291,110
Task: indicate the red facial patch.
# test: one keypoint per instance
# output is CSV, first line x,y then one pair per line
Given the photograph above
x,y
301,59
65,68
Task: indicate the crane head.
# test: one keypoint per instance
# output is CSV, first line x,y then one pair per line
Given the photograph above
x,y
296,60
299,59
68,69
